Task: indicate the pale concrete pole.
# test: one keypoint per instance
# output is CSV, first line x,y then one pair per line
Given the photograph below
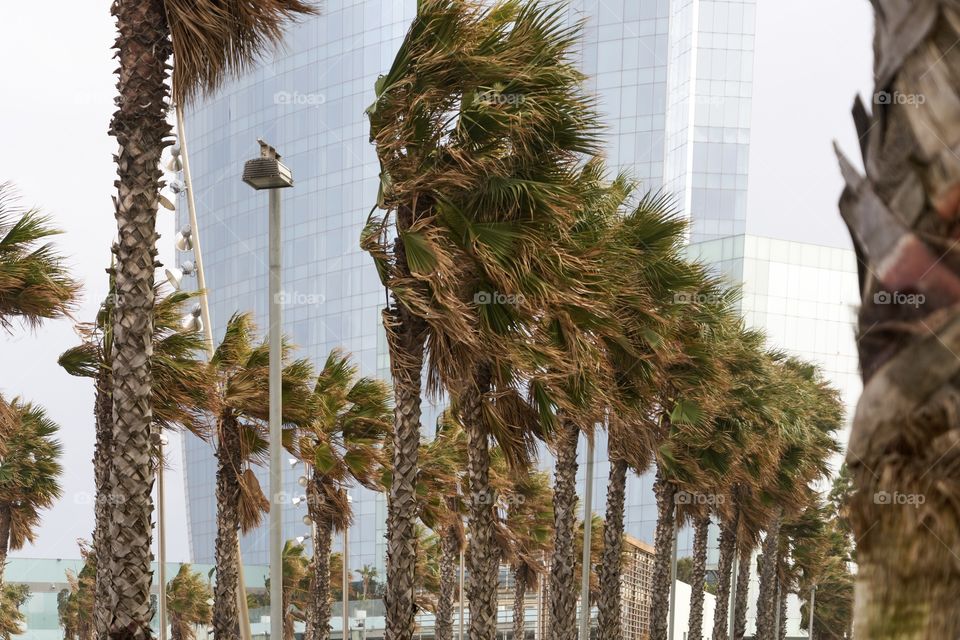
x,y
346,578
673,586
813,608
276,471
587,531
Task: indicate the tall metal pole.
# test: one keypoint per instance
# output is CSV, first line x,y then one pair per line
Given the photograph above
x,y
346,582
673,587
161,545
462,566
733,596
587,531
276,477
813,608
243,613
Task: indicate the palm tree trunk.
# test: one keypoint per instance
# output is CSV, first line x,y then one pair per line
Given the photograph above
x,y
782,631
103,509
177,631
226,618
699,576
405,339
609,622
767,600
140,126
320,604
449,558
5,518
665,493
520,580
563,568
740,598
728,552
483,556
901,218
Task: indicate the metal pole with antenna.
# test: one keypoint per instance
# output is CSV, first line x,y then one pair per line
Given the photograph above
x,y
243,613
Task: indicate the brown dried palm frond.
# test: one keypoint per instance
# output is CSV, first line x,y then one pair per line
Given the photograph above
x,y
253,503
213,39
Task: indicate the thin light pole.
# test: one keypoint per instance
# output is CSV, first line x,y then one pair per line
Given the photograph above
x,y
813,608
587,531
276,472
462,566
346,578
243,613
734,576
673,587
161,545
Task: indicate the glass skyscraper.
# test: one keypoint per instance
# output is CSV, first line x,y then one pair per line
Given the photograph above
x,y
674,81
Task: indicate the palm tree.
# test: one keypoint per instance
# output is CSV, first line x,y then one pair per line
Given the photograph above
x,y
12,597
342,444
184,386
29,474
476,186
296,585
529,523
188,603
75,604
35,284
240,407
210,43
900,445
368,574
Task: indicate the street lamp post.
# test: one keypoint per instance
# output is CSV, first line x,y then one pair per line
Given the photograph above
x,y
267,172
587,532
346,577
813,608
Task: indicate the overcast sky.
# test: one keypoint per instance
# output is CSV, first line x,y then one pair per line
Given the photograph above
x,y
57,96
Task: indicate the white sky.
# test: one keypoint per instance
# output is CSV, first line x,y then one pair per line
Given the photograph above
x,y
57,98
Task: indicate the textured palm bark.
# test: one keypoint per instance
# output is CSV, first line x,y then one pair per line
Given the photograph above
x,y
698,577
449,558
728,552
139,126
320,580
740,597
782,631
563,588
103,506
609,616
483,555
405,337
767,599
665,493
903,216
226,617
4,537
520,581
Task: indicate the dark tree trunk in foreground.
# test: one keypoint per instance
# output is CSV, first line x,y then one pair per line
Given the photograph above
x,y
226,617
483,554
103,509
449,559
320,580
520,580
699,576
782,631
728,551
665,493
563,588
611,562
5,518
740,598
405,335
767,601
903,218
140,126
